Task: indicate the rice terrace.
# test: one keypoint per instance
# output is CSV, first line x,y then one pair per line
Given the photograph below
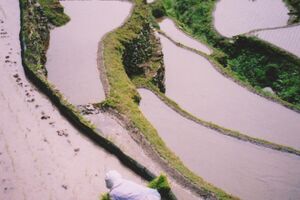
x,y
150,99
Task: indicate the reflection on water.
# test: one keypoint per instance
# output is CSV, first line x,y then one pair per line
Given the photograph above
x,y
240,168
197,87
72,64
233,17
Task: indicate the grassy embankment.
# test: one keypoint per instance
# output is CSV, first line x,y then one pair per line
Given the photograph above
x,y
252,62
54,12
124,97
35,30
34,37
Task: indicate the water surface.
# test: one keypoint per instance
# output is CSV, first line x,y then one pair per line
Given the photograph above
x,y
169,27
196,86
285,38
72,55
233,17
240,168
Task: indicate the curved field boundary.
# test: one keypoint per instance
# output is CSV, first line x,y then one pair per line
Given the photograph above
x,y
269,29
225,131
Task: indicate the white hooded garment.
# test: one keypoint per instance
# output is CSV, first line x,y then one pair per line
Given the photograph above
x,y
121,189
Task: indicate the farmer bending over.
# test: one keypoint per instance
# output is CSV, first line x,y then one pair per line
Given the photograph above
x,y
121,189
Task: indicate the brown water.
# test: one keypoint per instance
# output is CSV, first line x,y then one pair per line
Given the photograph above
x,y
42,156
240,168
285,38
169,27
72,64
233,17
197,87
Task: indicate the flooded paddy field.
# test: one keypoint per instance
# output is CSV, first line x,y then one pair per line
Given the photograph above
x,y
203,91
169,28
234,17
285,38
72,54
238,167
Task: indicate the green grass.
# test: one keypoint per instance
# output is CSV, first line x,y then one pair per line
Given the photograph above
x,y
105,197
54,11
160,183
265,66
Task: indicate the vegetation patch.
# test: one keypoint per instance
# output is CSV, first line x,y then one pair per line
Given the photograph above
x,y
294,7
142,57
251,60
54,12
265,66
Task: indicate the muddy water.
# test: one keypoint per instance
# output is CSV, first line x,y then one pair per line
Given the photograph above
x,y
240,168
72,65
198,88
41,155
285,38
233,17
169,27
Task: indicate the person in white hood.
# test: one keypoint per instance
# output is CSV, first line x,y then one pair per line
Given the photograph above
x,y
121,189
